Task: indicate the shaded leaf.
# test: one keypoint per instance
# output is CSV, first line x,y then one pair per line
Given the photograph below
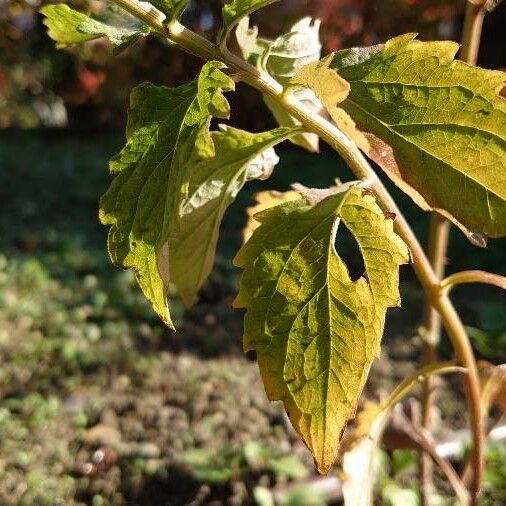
x,y
167,135
438,127
315,331
211,187
235,11
67,26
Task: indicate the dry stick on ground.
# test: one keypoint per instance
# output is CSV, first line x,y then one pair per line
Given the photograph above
x,y
203,48
439,233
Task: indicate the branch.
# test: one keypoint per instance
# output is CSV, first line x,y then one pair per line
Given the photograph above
x,y
201,47
466,277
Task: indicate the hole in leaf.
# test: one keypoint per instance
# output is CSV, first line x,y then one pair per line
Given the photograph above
x,y
347,248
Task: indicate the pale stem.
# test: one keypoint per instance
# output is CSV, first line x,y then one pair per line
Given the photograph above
x,y
199,46
439,233
466,277
471,34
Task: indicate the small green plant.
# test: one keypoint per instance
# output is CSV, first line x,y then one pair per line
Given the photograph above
x,y
435,125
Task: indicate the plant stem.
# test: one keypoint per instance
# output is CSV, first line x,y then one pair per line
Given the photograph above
x,y
471,34
439,233
466,277
199,46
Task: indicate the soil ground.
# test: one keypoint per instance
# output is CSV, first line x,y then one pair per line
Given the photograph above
x,y
99,404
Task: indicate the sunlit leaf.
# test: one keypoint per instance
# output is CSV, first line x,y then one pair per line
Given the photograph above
x,y
291,51
252,46
437,125
210,187
235,10
315,331
67,26
265,200
167,135
282,58
331,90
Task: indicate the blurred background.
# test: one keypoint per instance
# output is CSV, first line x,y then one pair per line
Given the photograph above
x,y
99,403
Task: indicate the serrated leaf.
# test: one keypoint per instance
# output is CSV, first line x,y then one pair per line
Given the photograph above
x,y
167,134
437,125
315,331
331,90
235,11
265,200
173,9
67,26
212,186
282,58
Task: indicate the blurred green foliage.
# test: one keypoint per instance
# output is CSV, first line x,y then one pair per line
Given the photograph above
x,y
489,338
78,340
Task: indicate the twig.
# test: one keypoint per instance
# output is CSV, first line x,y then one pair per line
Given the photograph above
x,y
203,48
466,277
439,233
438,244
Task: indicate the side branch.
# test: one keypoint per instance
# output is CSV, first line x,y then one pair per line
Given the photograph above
x,y
466,277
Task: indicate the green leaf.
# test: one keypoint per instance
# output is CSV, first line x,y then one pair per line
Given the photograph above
x,y
331,90
167,134
67,26
173,9
211,187
316,332
437,125
282,58
236,10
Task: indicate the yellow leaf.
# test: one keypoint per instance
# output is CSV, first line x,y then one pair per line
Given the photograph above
x,y
331,89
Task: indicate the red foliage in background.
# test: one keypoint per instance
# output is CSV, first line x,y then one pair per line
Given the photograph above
x,y
95,86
